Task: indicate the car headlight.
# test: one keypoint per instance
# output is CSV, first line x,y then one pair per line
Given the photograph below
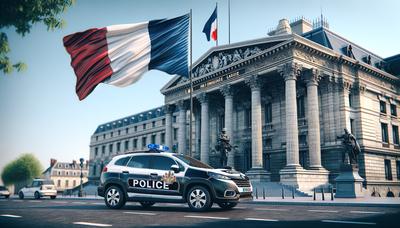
x,y
218,176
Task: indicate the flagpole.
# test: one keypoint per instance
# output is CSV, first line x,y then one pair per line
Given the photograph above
x,y
229,21
216,8
191,88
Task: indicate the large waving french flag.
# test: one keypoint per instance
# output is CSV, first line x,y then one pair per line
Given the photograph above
x,y
210,28
120,54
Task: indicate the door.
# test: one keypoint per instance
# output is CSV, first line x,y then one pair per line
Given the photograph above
x,y
137,174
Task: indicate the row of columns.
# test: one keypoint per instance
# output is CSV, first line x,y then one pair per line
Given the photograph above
x,y
290,73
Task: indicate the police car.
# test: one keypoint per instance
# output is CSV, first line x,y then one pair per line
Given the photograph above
x,y
159,176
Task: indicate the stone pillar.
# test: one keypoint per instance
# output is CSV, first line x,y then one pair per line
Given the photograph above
x,y
169,109
205,131
290,72
312,78
257,172
182,127
228,94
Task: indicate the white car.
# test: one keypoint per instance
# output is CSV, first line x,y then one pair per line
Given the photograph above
x,y
4,192
39,188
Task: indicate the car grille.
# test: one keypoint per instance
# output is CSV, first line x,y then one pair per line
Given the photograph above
x,y
241,183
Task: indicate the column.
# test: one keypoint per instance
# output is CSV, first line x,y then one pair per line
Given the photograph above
x,y
182,127
168,125
312,78
256,123
205,132
228,94
290,72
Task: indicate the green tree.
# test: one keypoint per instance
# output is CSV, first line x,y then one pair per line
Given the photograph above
x,y
22,14
23,169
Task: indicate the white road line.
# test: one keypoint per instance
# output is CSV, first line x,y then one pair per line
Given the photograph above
x,y
367,212
92,224
205,217
79,202
97,203
261,219
60,202
34,201
11,216
349,222
270,209
139,213
240,207
323,211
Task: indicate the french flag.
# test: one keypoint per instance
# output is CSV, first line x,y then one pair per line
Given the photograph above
x,y
120,54
210,28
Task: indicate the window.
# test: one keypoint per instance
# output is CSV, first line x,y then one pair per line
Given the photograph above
x,y
35,184
350,100
144,126
135,128
302,140
97,138
153,124
94,170
163,122
384,129
139,162
382,106
352,126
395,130
127,145
398,169
111,134
96,151
126,130
103,150
110,148
393,110
59,183
134,143
118,146
268,143
104,136
388,170
144,141
122,161
174,119
119,132
162,138
162,163
247,118
74,183
268,113
153,139
175,133
267,161
300,107
66,183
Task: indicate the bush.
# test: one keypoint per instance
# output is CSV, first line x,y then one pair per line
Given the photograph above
x,y
23,169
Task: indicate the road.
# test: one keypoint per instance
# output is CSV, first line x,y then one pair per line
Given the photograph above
x,y
93,213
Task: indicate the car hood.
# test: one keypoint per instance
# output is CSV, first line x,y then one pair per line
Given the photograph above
x,y
232,173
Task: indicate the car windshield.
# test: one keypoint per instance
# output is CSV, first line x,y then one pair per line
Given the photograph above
x,y
48,182
192,162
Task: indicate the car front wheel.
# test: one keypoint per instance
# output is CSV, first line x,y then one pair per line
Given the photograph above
x,y
37,195
114,197
227,205
21,195
199,198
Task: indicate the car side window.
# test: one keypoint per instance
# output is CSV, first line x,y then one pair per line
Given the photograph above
x,y
140,161
122,161
162,163
35,184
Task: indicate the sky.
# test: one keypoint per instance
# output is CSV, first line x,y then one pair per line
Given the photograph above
x,y
41,114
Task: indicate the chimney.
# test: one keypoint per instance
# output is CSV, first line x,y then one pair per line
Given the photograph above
x,y
298,26
52,162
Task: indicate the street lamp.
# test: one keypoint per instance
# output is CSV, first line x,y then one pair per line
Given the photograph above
x,y
80,194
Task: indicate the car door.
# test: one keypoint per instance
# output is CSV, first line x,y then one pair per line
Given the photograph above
x,y
137,174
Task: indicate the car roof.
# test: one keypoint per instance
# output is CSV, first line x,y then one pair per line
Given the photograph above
x,y
136,153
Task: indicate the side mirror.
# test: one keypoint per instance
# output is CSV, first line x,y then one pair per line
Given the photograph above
x,y
175,168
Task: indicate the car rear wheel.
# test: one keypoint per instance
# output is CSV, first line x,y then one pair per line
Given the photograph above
x,y
37,195
52,197
199,198
21,195
114,197
147,204
227,205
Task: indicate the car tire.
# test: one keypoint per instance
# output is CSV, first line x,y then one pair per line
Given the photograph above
x,y
114,197
146,204
7,196
52,197
227,206
199,198
37,195
21,195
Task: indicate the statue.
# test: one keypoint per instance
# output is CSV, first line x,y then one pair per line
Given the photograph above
x,y
224,147
351,147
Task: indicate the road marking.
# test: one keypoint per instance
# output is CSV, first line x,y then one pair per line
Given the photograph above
x,y
139,213
323,211
240,208
60,202
261,219
367,212
205,217
270,209
97,203
349,222
34,201
79,202
11,216
92,224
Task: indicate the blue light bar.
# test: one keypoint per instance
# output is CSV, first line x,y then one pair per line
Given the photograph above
x,y
157,147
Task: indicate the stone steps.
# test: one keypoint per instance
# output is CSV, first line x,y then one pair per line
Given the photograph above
x,y
274,189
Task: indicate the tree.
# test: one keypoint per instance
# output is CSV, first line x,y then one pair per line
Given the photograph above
x,y
23,169
22,14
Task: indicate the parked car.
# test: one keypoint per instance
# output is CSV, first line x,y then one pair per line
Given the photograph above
x,y
39,188
4,192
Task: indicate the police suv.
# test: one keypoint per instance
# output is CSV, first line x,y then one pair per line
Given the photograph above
x,y
158,176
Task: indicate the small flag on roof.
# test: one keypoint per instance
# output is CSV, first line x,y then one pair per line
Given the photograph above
x,y
210,28
120,54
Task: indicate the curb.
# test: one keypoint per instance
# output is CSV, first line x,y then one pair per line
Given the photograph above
x,y
363,204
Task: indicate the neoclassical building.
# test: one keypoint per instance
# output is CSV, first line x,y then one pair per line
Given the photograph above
x,y
284,99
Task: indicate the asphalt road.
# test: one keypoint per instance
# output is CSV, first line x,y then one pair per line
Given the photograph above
x,y
92,213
